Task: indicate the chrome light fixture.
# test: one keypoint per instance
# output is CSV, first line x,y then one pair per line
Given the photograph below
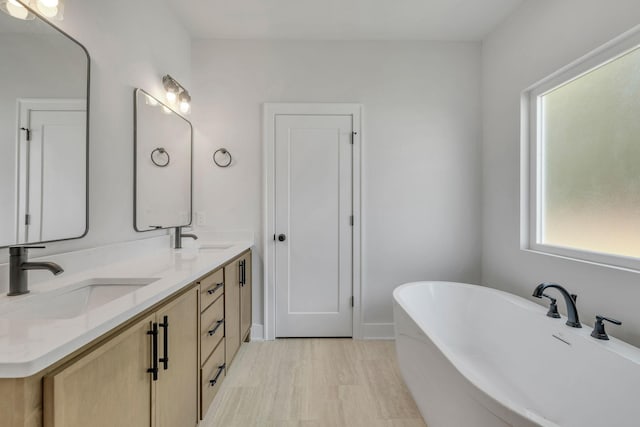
x,y
23,9
177,92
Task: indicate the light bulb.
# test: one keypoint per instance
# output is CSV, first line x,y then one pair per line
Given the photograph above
x,y
17,10
185,101
172,88
48,11
49,3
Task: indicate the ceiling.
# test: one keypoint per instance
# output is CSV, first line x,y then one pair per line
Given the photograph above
x,y
455,20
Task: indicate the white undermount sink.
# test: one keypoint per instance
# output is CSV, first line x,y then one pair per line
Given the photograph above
x,y
214,246
72,300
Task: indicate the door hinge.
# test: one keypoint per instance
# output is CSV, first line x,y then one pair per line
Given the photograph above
x,y
351,220
353,302
28,133
27,219
353,136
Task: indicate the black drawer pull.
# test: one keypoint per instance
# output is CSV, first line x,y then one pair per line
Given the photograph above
x,y
215,379
213,289
243,273
165,346
215,328
154,351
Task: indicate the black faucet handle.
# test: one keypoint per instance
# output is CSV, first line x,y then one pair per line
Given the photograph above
x,y
600,318
552,299
598,329
553,307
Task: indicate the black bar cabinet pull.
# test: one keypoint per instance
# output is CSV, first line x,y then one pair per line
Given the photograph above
x,y
213,289
215,328
165,345
154,351
215,379
242,272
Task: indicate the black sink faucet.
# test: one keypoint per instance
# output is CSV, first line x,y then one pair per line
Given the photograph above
x,y
569,299
179,235
18,267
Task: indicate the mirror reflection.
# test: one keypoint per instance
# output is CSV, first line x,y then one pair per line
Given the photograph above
x,y
43,133
163,144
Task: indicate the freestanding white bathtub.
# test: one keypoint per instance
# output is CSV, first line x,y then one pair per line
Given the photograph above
x,y
478,357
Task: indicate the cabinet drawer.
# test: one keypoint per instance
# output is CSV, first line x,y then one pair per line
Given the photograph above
x,y
213,370
211,287
211,328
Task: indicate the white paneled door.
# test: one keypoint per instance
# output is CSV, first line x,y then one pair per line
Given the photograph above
x,y
313,225
53,178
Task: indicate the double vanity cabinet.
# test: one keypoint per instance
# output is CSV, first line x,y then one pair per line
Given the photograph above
x,y
161,368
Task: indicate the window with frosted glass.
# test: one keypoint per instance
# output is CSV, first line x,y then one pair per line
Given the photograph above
x,y
589,160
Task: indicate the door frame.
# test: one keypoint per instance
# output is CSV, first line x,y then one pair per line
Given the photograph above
x,y
269,113
23,115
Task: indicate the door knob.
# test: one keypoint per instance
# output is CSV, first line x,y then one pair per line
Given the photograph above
x,y
282,237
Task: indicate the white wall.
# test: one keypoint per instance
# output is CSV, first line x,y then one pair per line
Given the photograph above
x,y
421,176
539,38
132,44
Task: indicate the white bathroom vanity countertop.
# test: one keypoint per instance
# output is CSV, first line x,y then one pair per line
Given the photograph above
x,y
29,345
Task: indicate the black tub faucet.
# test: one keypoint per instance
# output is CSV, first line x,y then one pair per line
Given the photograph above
x,y
569,299
18,267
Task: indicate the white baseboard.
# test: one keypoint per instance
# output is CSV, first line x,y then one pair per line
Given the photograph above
x,y
377,331
257,332
370,331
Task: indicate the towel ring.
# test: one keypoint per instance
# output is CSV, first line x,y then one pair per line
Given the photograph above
x,y
222,151
161,163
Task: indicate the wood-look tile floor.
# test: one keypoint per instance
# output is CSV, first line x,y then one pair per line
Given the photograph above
x,y
314,382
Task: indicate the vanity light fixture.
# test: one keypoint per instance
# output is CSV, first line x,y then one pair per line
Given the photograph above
x,y
177,92
52,9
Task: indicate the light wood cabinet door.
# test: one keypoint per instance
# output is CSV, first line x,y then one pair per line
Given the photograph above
x,y
108,387
231,311
245,296
176,391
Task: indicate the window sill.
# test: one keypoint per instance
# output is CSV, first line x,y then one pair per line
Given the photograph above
x,y
628,264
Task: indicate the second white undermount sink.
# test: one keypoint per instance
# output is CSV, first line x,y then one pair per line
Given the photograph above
x,y
215,246
73,300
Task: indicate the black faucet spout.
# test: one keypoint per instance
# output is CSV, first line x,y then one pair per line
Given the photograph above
x,y
51,266
573,319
